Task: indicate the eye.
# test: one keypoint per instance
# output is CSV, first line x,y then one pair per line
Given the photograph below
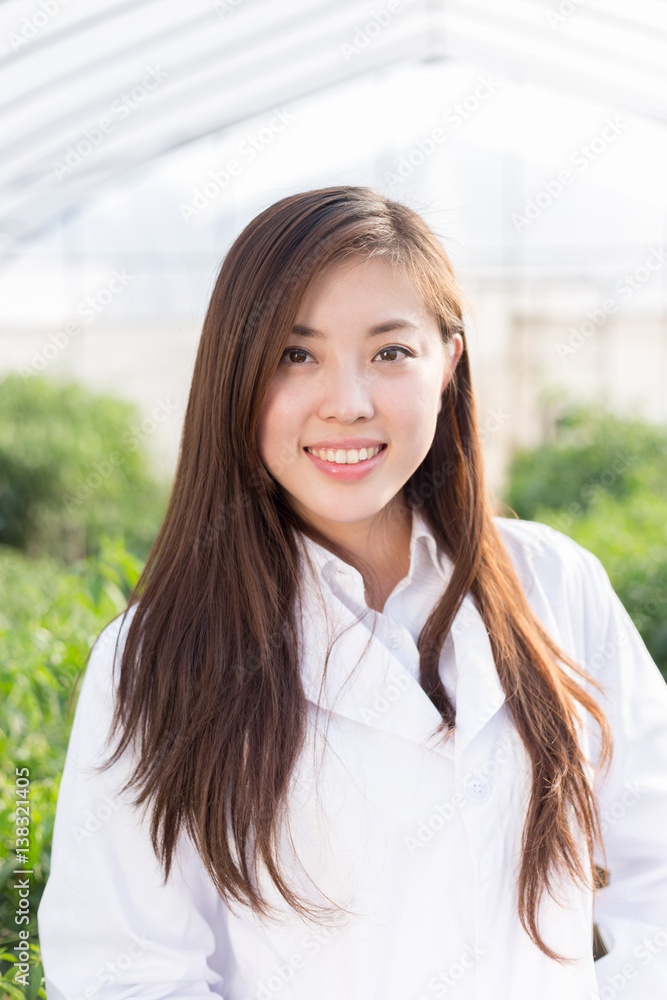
x,y
395,347
293,350
385,350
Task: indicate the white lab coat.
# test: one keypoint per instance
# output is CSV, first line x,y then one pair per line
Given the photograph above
x,y
419,838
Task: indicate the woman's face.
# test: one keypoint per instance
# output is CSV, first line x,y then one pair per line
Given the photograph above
x,y
344,384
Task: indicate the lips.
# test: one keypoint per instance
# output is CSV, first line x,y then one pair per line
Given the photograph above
x,y
347,472
346,443
352,455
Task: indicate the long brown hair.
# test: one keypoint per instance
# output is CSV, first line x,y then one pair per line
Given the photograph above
x,y
210,677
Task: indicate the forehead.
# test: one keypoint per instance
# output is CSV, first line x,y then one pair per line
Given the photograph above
x,y
369,286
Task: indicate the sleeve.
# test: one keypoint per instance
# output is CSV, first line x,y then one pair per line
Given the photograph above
x,y
631,911
108,928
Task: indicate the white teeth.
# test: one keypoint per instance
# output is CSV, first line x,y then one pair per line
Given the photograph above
x,y
342,456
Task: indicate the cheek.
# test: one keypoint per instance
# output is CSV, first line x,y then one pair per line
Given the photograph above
x,y
266,426
278,422
413,405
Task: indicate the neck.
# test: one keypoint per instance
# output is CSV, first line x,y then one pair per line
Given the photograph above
x,y
381,541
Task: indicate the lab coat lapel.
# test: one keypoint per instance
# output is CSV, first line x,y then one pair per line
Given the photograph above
x,y
379,691
479,693
371,687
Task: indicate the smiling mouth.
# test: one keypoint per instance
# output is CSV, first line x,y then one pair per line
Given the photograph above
x,y
346,456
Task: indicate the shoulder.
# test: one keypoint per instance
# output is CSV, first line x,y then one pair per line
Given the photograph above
x,y
117,627
115,632
565,583
539,551
104,662
96,697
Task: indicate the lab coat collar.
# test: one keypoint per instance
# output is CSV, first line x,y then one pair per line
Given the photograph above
x,y
326,562
379,691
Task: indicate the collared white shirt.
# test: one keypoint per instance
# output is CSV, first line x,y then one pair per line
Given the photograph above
x,y
417,836
408,605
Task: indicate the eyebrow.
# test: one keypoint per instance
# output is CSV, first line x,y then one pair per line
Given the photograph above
x,y
390,324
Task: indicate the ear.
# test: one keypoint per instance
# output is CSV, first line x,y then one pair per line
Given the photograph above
x,y
454,350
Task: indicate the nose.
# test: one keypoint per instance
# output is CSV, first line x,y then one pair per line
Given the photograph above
x,y
346,393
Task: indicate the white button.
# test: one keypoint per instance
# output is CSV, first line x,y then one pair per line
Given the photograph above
x,y
477,788
395,639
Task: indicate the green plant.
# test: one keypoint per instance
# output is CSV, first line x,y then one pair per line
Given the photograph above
x,y
593,451
50,616
74,465
602,480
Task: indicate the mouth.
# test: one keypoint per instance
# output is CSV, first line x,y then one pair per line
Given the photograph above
x,y
348,471
345,456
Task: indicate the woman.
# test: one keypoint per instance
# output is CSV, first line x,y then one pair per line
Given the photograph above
x,y
356,700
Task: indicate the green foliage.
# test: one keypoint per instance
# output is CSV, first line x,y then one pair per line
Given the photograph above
x,y
79,510
50,616
602,480
73,466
